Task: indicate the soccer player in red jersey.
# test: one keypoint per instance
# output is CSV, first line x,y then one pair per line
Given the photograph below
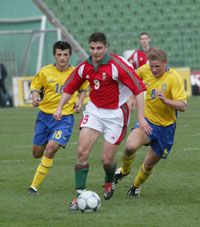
x,y
112,81
139,56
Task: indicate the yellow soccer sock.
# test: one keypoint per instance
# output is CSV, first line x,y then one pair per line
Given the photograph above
x,y
127,163
42,171
142,176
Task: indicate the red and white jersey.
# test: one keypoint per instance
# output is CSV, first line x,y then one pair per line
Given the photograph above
x,y
138,58
111,82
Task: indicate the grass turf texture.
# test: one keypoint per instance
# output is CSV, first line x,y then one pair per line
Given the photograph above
x,y
169,198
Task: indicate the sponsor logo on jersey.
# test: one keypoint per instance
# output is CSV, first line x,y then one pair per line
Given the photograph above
x,y
50,80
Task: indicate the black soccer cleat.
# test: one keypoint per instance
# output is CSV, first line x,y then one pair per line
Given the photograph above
x,y
119,175
33,191
134,191
108,190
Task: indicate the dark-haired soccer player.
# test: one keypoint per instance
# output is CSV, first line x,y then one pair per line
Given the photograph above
x,y
50,134
112,80
165,95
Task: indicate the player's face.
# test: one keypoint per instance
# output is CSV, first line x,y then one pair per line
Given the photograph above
x,y
62,58
157,68
145,41
97,51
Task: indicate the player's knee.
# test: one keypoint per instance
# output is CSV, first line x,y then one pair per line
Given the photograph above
x,y
37,154
51,149
82,155
107,162
148,166
130,149
37,151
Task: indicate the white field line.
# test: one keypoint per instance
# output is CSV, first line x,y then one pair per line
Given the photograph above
x,y
191,149
29,160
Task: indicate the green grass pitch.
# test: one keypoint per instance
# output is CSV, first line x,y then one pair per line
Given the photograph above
x,y
169,198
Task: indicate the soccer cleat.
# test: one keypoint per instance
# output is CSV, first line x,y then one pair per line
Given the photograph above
x,y
108,190
73,206
134,191
119,175
33,191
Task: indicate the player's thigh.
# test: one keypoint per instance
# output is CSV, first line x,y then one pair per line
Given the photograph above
x,y
151,159
136,139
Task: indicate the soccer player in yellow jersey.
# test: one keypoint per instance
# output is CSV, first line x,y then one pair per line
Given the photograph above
x,y
165,96
50,134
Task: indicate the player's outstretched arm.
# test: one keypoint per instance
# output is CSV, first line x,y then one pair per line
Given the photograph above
x,y
144,126
79,103
64,99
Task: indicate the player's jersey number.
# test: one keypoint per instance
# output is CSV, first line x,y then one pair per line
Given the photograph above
x,y
59,88
153,94
96,84
85,119
57,134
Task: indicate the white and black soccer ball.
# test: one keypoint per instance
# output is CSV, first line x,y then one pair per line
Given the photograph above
x,y
88,201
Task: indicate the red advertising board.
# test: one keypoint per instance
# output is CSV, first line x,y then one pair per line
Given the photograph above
x,y
195,82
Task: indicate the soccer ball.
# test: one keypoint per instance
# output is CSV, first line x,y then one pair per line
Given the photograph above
x,y
88,201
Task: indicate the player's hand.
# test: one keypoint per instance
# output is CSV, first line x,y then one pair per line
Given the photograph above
x,y
58,115
161,96
78,107
131,103
145,127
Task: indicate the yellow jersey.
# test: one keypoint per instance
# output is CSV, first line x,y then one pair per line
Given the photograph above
x,y
50,81
171,84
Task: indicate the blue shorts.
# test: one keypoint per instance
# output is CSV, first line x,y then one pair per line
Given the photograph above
x,y
161,138
47,128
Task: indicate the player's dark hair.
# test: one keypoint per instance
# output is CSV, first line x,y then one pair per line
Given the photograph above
x,y
144,33
98,37
62,45
155,54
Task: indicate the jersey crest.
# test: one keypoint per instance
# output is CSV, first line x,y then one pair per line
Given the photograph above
x,y
164,87
103,76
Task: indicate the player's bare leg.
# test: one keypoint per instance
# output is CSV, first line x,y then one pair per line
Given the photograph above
x,y
87,139
38,151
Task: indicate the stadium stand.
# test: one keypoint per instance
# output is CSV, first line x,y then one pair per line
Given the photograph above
x,y
173,24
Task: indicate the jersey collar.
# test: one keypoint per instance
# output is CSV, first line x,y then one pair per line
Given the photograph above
x,y
104,61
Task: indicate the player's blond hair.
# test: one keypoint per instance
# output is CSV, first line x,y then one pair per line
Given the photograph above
x,y
155,54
